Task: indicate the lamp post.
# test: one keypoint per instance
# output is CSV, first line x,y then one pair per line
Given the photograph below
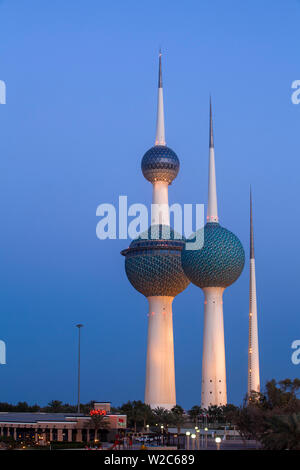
x,y
187,440
198,438
206,429
218,442
79,326
193,436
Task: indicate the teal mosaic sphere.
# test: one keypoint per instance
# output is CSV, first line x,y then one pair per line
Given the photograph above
x,y
220,260
153,262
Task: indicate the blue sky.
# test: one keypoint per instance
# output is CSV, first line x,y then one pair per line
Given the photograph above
x,y
81,81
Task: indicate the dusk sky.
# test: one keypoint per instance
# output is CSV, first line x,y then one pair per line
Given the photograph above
x,y
81,80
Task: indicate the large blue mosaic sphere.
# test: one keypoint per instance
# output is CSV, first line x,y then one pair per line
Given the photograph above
x,y
160,163
219,262
153,262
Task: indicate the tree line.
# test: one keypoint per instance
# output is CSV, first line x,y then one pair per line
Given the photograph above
x,y
271,417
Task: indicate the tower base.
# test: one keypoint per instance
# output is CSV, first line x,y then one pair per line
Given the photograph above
x,y
214,390
160,370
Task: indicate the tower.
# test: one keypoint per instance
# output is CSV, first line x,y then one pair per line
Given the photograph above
x,y
214,267
253,352
153,266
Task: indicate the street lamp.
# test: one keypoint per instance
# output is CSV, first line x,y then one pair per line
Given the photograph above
x,y
79,326
198,438
218,442
187,440
193,436
206,429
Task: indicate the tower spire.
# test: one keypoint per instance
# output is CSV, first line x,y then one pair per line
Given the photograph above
x,y
160,122
211,132
212,207
251,228
253,351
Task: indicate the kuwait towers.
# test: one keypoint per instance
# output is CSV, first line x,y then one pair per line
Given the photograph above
x,y
153,266
253,353
214,267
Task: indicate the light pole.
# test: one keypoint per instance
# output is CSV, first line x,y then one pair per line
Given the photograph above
x,y
198,438
218,442
206,429
193,436
79,326
188,440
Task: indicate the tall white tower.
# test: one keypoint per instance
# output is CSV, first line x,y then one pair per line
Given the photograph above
x,y
153,266
213,268
253,351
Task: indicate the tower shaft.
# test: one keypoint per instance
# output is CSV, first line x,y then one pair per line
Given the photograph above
x,y
253,351
213,361
160,212
160,369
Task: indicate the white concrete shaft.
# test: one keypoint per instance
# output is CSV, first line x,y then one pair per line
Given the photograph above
x,y
212,206
213,362
160,122
160,211
160,369
253,352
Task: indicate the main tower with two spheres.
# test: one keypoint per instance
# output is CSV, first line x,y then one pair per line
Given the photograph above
x,y
153,266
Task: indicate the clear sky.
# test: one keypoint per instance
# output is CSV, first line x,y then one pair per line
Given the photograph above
x,y
81,81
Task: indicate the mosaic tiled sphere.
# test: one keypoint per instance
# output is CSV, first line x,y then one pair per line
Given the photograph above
x,y
219,262
153,262
160,163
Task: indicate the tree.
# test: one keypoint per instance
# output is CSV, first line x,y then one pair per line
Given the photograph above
x,y
194,413
162,416
135,412
177,417
282,433
98,422
272,417
54,406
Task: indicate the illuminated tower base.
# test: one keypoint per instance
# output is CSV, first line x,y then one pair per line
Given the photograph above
x,y
213,361
160,369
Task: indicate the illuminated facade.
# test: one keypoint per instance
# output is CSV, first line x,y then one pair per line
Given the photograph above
x,y
45,428
213,268
153,266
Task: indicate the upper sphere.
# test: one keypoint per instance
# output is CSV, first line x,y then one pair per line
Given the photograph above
x,y
153,262
219,262
160,163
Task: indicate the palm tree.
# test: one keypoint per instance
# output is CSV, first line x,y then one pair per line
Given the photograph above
x,y
283,433
98,422
162,416
135,412
194,413
177,417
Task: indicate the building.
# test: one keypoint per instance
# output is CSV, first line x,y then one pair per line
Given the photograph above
x,y
43,428
153,266
253,352
213,267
